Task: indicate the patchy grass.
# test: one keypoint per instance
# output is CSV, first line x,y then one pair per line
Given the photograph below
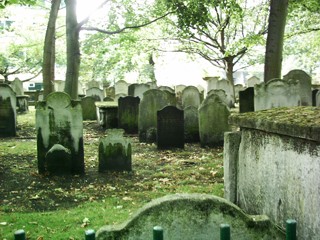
x,y
62,207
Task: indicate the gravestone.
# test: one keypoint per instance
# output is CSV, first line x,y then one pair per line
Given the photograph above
x,y
118,96
252,81
137,90
115,152
131,88
314,97
93,84
191,124
59,135
170,128
237,89
22,99
305,85
95,92
8,114
110,92
169,89
219,92
318,99
190,97
108,99
121,87
88,106
246,100
59,85
213,121
128,113
277,93
212,83
225,85
107,113
153,101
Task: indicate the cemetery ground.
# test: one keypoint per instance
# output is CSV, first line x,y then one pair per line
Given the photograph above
x,y
63,207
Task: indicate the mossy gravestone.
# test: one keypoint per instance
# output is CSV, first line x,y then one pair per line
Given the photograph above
x,y
213,121
8,115
246,100
153,101
115,152
190,97
88,106
191,124
59,135
170,128
128,112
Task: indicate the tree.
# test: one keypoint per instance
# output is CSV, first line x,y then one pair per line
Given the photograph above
x,y
5,3
49,50
222,32
274,46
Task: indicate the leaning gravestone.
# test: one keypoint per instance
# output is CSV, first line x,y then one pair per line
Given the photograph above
x,y
59,135
95,92
246,100
8,115
115,152
153,101
213,121
128,113
170,128
305,85
88,106
191,124
277,93
190,97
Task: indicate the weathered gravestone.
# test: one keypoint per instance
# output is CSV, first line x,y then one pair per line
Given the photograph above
x,y
170,128
166,88
153,101
128,113
225,85
95,92
121,87
252,81
109,92
190,97
219,92
277,93
88,106
191,124
211,83
93,84
107,113
8,115
137,90
192,217
213,121
59,135
305,85
22,99
246,100
115,152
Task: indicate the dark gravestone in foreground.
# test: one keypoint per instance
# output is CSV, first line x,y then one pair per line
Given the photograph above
x,y
170,128
7,111
59,135
88,106
128,113
246,100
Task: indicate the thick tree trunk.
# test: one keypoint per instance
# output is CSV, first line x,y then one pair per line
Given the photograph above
x,y
73,50
229,71
277,23
49,50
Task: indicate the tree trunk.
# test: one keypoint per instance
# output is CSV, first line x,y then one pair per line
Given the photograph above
x,y
229,71
73,50
277,23
49,50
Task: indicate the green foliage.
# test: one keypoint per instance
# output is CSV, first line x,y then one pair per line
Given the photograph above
x,y
5,3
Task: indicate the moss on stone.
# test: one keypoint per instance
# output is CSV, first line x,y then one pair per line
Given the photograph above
x,y
302,122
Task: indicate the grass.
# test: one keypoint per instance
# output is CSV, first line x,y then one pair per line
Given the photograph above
x,y
63,207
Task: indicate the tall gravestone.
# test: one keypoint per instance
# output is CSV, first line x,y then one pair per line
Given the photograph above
x,y
190,97
8,115
88,106
213,121
191,124
95,92
305,90
277,93
170,128
153,101
128,113
59,135
246,100
115,152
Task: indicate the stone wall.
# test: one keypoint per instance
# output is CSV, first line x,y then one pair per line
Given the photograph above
x,y
272,166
